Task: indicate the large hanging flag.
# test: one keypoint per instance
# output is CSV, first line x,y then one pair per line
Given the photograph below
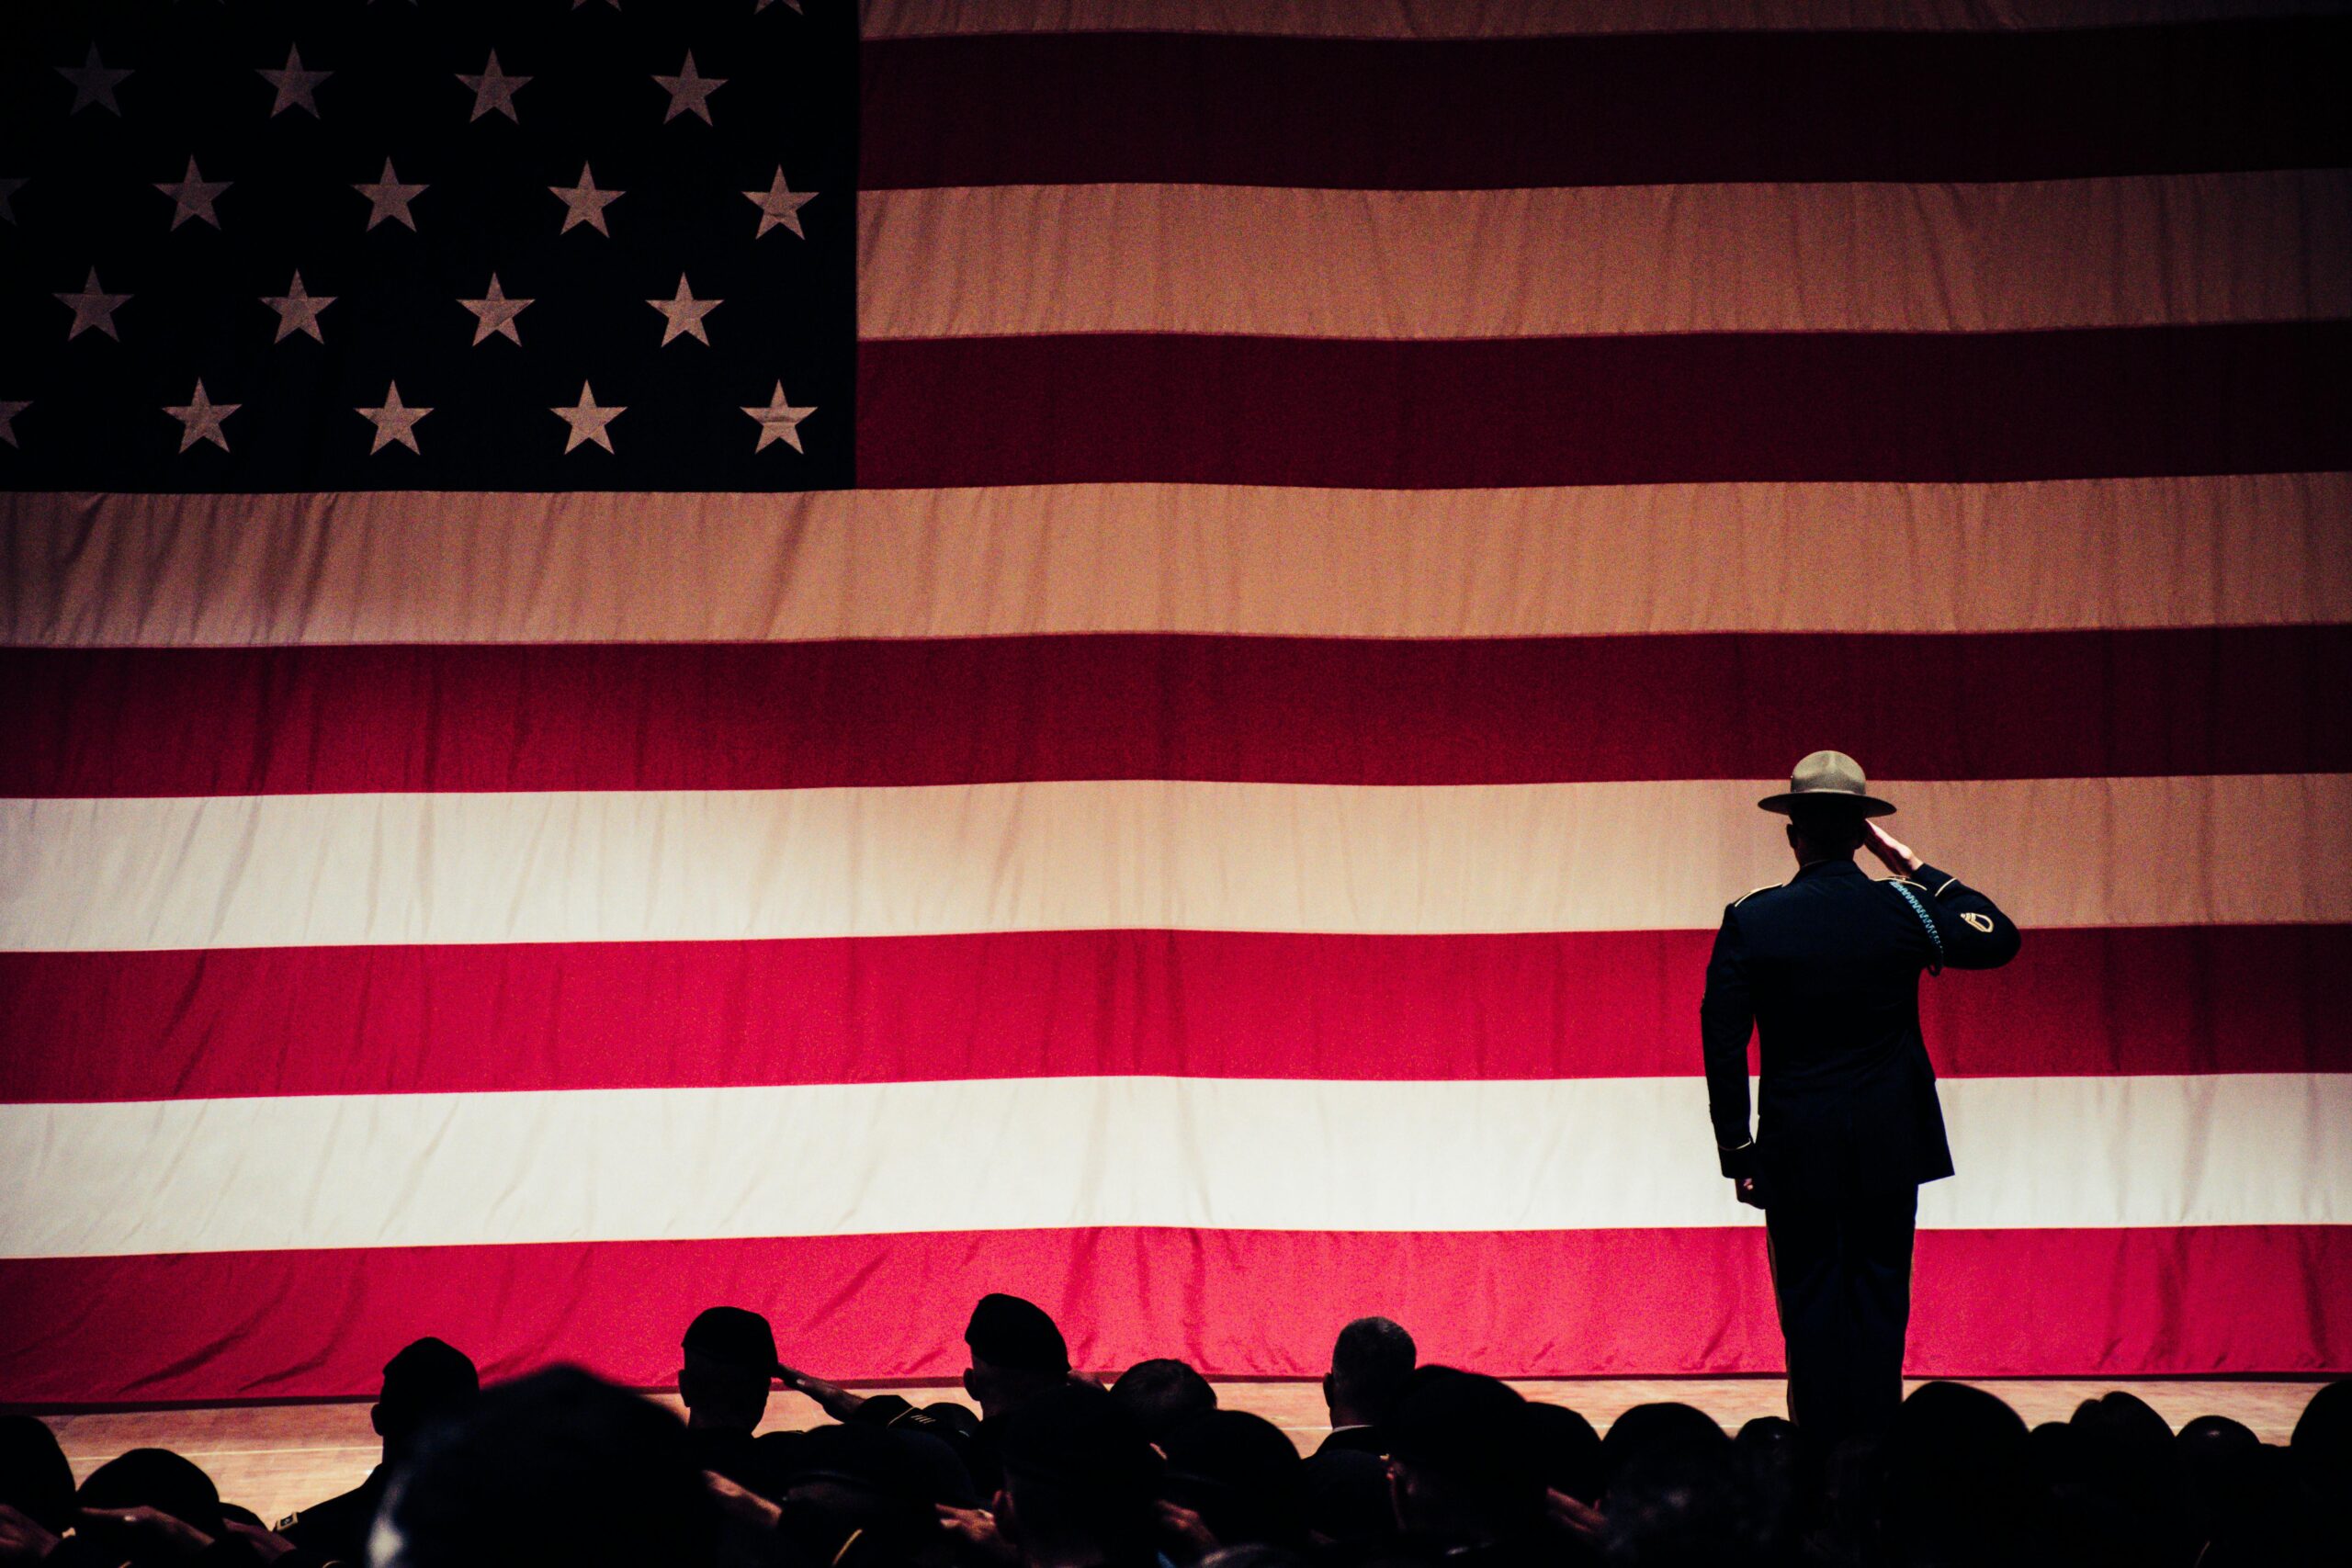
x,y
1121,649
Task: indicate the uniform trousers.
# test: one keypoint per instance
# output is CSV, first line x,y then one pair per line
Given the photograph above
x,y
1841,1271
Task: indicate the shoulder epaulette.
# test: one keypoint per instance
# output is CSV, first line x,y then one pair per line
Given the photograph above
x,y
1754,891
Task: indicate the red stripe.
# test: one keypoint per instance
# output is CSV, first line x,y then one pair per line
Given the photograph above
x,y
1951,407
1627,109
1236,1303
127,1026
85,722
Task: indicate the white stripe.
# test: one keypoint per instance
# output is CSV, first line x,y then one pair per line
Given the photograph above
x,y
304,870
1535,18
608,1165
82,569
2165,250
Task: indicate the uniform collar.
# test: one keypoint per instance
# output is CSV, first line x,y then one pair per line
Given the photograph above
x,y
1829,868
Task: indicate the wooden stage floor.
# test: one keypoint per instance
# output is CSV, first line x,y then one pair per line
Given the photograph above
x,y
276,1458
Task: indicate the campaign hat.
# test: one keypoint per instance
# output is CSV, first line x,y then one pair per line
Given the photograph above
x,y
1827,779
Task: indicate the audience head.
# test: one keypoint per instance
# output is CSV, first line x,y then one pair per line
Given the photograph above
x,y
1684,1504
557,1467
35,1480
2321,1443
1958,1470
958,1418
1370,1364
1017,1354
1239,1472
1661,1426
857,1494
2216,1435
1162,1395
1079,1479
1461,1462
2124,1419
1566,1450
729,1361
1344,1497
1781,1472
2217,1460
428,1380
2127,1445
148,1478
2270,1513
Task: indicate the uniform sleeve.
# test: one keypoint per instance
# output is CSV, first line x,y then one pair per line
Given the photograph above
x,y
1976,935
1726,1018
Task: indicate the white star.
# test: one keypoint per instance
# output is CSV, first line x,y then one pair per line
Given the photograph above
x,y
779,422
394,421
588,421
387,198
779,206
583,203
690,91
8,189
200,419
683,314
495,89
298,310
8,413
193,195
93,82
495,313
295,85
94,308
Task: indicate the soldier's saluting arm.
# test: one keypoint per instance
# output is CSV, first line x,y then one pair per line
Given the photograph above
x,y
1971,931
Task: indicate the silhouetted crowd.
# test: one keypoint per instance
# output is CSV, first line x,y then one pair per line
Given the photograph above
x,y
1425,1466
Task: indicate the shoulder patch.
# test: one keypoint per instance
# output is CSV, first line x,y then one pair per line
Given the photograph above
x,y
1978,922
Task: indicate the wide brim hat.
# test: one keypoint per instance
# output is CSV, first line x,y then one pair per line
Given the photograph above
x,y
1827,778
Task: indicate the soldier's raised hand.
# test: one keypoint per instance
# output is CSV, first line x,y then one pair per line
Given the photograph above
x,y
1892,851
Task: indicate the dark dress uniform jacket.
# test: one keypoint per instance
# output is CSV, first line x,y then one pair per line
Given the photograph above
x,y
1826,970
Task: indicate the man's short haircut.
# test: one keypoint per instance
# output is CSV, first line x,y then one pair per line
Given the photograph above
x,y
159,1479
1079,1471
1370,1363
1240,1473
2323,1438
34,1478
1016,1336
557,1467
734,1337
1471,1430
1344,1496
1828,824
1163,1395
428,1381
1567,1450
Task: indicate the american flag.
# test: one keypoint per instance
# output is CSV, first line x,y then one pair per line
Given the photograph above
x,y
1121,649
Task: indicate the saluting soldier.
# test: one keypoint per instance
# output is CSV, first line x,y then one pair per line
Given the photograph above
x,y
1824,969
